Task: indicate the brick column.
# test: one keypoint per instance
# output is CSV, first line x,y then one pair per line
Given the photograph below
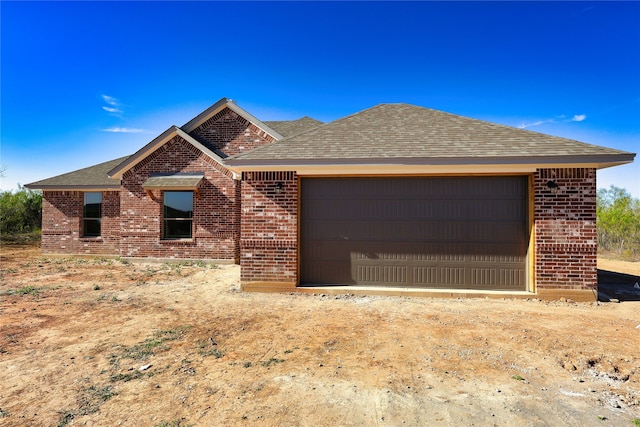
x,y
565,226
269,231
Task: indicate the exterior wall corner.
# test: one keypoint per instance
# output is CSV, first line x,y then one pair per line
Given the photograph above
x,y
566,243
269,229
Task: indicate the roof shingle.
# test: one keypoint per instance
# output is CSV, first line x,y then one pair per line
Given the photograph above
x,y
90,177
407,131
291,128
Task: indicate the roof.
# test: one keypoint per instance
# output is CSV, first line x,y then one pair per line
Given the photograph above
x,y
289,128
91,178
385,139
402,131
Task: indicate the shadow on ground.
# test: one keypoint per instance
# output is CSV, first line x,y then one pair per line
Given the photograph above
x,y
620,286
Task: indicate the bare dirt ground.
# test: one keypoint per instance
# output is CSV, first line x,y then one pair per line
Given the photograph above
x,y
620,266
102,342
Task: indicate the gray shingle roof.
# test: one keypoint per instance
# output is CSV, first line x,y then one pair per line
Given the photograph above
x,y
389,131
91,177
291,128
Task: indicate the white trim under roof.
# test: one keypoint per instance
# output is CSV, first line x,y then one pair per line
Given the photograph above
x,y
413,166
219,106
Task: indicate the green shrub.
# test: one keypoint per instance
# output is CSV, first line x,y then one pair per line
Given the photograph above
x,y
618,221
20,211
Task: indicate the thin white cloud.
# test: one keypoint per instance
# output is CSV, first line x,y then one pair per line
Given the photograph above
x,y
557,119
110,100
538,123
112,110
122,130
113,106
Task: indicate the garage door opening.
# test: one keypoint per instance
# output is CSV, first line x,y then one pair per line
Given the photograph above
x,y
426,232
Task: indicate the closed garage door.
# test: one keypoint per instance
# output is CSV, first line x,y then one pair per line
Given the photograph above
x,y
445,232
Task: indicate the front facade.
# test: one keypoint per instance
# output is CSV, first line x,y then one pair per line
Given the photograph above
x,y
396,198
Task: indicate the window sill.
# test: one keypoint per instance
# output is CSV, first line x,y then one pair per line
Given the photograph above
x,y
90,238
167,241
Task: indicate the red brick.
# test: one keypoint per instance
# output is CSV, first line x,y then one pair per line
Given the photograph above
x,y
269,227
565,228
62,224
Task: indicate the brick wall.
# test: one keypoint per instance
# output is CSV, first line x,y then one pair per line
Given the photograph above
x,y
565,226
269,230
231,133
62,224
215,221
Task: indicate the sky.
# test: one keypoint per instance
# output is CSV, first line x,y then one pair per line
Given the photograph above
x,y
86,82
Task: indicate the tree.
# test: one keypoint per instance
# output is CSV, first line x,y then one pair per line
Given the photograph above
x,y
618,221
20,211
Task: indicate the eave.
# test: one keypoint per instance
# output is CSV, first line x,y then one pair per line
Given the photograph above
x,y
83,188
411,166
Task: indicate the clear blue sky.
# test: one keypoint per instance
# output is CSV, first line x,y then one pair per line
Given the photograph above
x,y
83,83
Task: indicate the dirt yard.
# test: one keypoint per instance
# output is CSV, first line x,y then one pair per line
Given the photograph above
x,y
102,342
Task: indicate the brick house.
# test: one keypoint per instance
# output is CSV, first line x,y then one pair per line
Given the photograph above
x,y
393,199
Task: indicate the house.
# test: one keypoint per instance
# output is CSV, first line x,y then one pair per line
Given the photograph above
x,y
393,199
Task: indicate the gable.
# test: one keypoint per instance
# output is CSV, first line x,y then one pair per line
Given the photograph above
x,y
229,133
222,130
177,155
157,144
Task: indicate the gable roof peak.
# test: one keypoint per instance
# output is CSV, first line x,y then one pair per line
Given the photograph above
x,y
223,103
289,128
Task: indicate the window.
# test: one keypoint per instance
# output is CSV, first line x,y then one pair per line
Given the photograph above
x,y
178,214
91,214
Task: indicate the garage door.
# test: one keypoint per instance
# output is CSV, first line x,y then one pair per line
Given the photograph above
x,y
445,232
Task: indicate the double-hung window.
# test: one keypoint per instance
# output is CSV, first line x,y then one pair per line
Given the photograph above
x,y
91,214
178,214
